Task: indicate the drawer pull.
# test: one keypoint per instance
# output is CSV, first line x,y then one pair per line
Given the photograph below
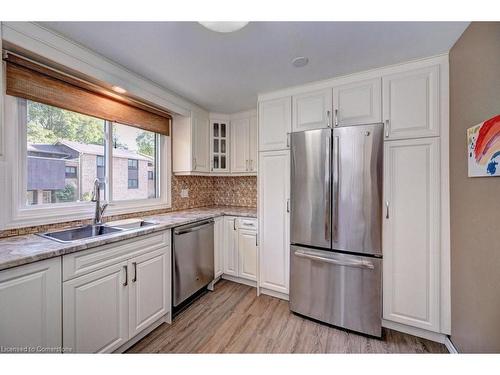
x,y
126,275
135,272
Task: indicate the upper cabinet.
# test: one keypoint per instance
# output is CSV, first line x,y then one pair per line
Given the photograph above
x,y
275,124
240,145
253,144
312,110
357,103
201,133
411,103
219,146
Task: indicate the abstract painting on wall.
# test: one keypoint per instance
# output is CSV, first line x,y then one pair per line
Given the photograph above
x,y
483,148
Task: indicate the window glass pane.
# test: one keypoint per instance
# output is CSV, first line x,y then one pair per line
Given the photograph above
x,y
223,162
216,145
134,163
216,130
222,130
223,146
62,152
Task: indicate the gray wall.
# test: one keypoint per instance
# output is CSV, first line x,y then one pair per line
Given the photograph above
x,y
475,202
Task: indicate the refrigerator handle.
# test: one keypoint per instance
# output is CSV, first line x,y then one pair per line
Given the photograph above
x,y
328,168
336,185
328,122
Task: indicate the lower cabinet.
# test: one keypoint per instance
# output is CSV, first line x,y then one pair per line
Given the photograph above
x,y
30,306
107,307
411,233
240,247
218,246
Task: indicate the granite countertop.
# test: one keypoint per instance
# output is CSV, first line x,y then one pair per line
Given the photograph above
x,y
19,250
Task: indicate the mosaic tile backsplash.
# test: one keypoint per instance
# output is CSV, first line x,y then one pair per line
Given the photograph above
x,y
202,191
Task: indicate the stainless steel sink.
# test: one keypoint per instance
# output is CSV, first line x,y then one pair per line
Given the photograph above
x,y
81,233
133,225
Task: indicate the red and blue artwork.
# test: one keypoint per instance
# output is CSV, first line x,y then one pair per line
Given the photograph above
x,y
483,141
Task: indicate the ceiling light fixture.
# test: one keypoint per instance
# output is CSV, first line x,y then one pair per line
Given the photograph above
x,y
119,90
224,26
300,61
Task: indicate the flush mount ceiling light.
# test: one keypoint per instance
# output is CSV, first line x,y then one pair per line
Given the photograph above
x,y
224,26
119,89
300,61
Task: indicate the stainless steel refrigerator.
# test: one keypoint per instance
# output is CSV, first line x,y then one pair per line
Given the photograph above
x,y
336,226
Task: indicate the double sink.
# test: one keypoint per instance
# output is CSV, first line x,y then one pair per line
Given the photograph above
x,y
93,231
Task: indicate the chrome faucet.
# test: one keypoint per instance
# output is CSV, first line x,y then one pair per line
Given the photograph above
x,y
96,197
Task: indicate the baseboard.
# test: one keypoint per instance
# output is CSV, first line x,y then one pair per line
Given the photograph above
x,y
240,280
449,345
134,340
419,332
273,293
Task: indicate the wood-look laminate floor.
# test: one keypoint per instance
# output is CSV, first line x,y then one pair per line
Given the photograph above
x,y
232,319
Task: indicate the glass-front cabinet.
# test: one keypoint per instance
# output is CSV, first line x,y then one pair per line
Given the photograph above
x,y
219,146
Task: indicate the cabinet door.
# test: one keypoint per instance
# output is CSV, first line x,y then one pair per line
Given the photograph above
x,y
275,124
274,220
219,146
218,246
253,144
411,233
149,290
30,305
312,110
357,103
247,254
240,134
95,310
411,103
201,143
230,246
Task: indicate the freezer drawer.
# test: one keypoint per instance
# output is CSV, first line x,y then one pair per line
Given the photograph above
x,y
193,259
339,289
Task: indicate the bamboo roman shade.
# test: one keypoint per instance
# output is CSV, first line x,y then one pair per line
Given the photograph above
x,y
29,80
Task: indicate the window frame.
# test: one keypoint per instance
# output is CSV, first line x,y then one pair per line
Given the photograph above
x,y
20,214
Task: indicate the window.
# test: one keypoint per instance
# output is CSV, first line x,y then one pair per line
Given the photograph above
x,y
70,172
136,150
66,151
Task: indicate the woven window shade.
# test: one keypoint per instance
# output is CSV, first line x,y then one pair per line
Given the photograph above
x,y
28,80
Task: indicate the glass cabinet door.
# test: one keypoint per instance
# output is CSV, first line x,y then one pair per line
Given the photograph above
x,y
219,146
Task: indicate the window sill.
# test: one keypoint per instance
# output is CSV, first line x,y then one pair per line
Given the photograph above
x,y
37,216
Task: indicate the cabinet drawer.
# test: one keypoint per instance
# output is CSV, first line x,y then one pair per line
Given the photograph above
x,y
247,224
86,261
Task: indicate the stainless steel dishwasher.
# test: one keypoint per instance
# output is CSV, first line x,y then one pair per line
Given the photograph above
x,y
193,259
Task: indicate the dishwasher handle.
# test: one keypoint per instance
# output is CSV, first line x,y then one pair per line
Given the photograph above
x,y
193,228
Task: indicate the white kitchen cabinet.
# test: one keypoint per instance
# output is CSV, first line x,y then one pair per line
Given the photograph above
x,y
113,292
149,294
240,145
219,146
191,144
275,124
274,218
312,110
247,254
411,233
218,246
253,154
30,305
411,103
230,246
95,310
201,136
357,103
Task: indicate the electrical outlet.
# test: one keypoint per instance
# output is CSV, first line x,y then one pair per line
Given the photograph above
x,y
184,193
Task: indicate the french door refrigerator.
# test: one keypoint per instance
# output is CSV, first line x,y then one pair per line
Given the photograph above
x,y
336,226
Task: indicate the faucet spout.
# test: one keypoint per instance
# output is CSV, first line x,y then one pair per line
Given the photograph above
x,y
96,197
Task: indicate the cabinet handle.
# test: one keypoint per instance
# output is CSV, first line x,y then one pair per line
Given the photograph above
x,y
126,275
194,162
287,140
234,224
328,123
247,163
387,209
257,240
336,117
135,272
387,125
288,205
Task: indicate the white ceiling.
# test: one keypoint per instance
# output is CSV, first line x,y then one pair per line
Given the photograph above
x,y
225,72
